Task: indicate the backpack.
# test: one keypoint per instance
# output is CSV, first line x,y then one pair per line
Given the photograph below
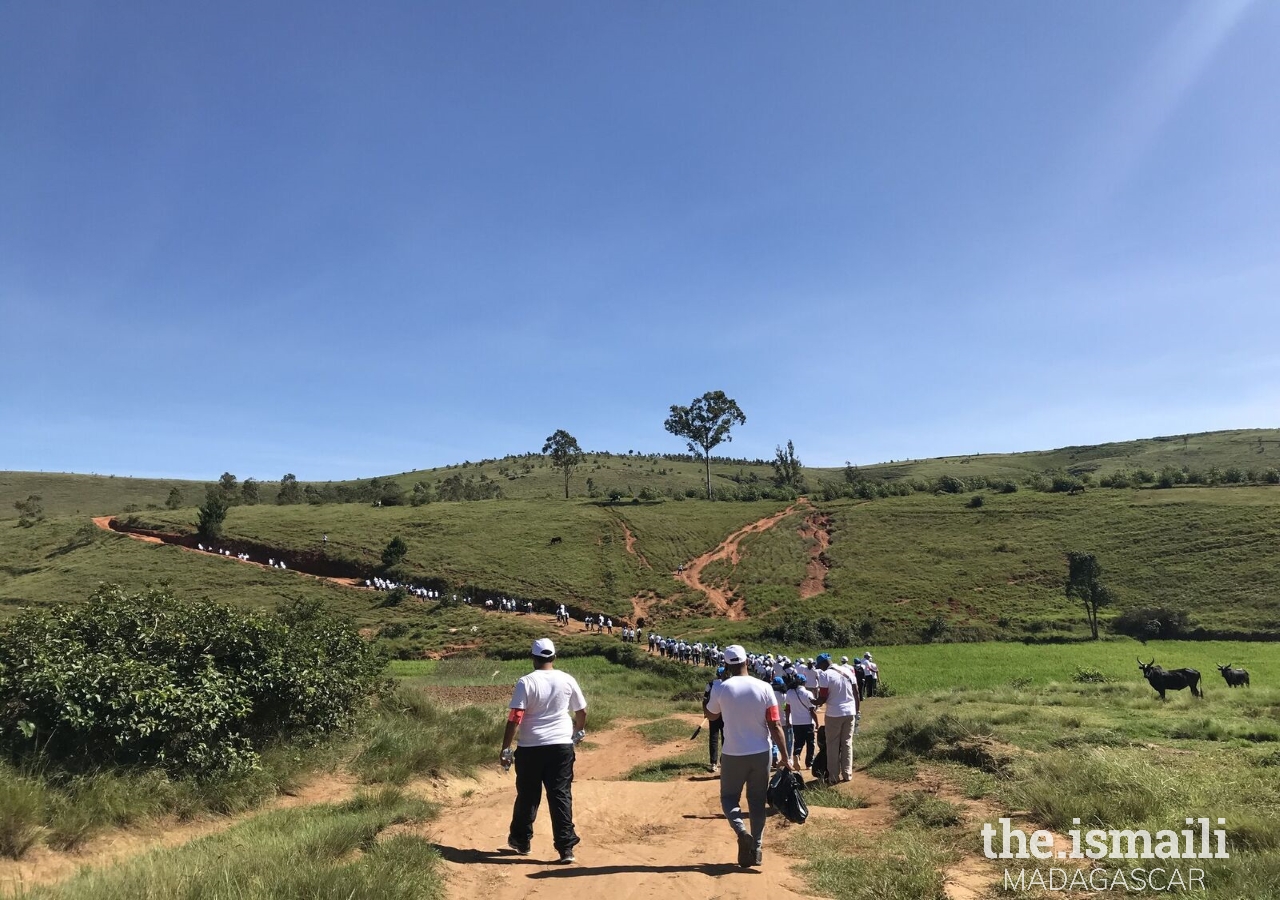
x,y
786,794
819,767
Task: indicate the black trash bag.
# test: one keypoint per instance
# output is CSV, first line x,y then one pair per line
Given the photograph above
x,y
786,795
819,767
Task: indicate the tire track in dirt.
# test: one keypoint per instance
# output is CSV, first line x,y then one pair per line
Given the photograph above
x,y
727,549
816,528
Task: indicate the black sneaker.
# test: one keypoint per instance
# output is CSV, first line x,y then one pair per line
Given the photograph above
x,y
517,849
567,857
747,851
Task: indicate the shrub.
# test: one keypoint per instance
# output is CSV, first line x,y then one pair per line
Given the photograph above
x,y
1271,476
1150,623
950,484
975,501
212,514
1066,484
1006,487
1089,675
144,679
394,553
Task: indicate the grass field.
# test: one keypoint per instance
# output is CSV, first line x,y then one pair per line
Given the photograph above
x,y
999,570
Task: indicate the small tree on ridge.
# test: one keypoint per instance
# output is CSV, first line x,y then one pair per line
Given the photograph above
x,y
705,424
565,454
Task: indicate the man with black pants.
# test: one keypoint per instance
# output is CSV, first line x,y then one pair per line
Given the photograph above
x,y
715,727
540,707
750,713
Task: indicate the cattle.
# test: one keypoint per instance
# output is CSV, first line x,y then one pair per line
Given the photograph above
x,y
555,540
1170,680
1234,677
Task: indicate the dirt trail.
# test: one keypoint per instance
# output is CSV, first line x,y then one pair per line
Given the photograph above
x,y
631,544
104,522
816,528
639,839
724,600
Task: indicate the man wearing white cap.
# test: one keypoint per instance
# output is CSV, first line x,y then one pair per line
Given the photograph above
x,y
750,713
540,707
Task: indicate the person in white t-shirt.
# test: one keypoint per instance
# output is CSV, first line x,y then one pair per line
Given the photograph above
x,y
800,709
838,690
540,708
750,713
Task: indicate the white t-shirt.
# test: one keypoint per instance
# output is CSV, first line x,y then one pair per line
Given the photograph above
x,y
547,696
841,700
743,702
800,702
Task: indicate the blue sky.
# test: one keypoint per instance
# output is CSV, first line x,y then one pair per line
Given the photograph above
x,y
343,240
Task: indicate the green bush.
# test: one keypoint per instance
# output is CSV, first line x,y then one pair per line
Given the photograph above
x,y
1089,675
200,688
1150,623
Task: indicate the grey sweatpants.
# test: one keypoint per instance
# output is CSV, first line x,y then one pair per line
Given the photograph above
x,y
751,772
839,747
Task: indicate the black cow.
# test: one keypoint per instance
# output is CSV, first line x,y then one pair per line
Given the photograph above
x,y
1234,677
1174,680
555,540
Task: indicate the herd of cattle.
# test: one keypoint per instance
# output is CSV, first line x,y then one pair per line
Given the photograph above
x,y
1177,679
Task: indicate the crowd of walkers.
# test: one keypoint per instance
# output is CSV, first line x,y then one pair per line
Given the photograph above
x,y
243,557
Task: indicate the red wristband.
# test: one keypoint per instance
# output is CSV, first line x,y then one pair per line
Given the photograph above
x,y
772,714
515,715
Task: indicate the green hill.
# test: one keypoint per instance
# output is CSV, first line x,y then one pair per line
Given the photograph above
x,y
924,566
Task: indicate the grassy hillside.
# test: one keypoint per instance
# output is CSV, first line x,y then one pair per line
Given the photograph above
x,y
64,494
531,477
999,569
1256,448
505,545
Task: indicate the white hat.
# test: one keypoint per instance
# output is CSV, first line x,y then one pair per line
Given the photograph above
x,y
867,655
734,654
844,659
543,648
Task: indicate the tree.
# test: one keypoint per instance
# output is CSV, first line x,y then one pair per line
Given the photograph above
x,y
421,494
395,552
227,484
289,492
30,511
1084,584
786,467
705,424
175,499
565,454
212,513
249,492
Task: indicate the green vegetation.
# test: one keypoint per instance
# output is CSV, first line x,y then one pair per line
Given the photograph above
x,y
706,423
904,865
998,571
319,851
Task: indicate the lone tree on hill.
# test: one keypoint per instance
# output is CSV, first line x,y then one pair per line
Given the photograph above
x,y
230,490
565,454
249,494
786,467
289,492
1084,584
175,499
212,514
705,424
